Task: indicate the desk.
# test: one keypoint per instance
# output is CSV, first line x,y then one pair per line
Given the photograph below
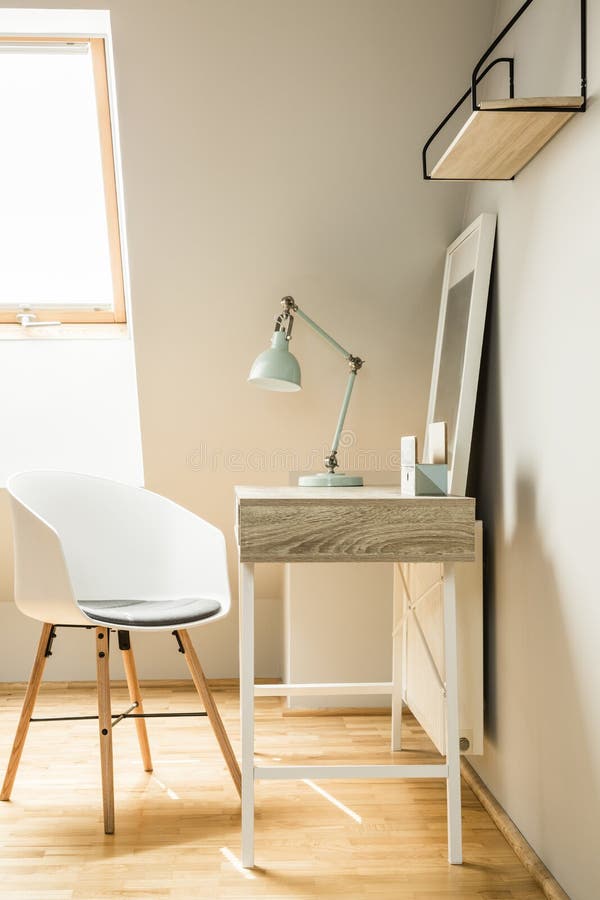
x,y
293,524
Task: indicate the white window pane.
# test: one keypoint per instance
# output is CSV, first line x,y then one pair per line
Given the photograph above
x,y
53,232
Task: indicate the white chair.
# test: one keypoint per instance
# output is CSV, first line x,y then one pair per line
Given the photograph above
x,y
93,553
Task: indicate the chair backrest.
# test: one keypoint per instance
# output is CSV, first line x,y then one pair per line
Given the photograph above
x,y
82,538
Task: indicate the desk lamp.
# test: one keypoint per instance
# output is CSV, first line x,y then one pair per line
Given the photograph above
x,y
276,369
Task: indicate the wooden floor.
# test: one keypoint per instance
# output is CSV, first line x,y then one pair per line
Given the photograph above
x,y
178,829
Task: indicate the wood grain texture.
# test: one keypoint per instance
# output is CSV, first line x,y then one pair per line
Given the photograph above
x,y
105,727
135,695
98,51
352,525
33,686
497,144
178,834
511,102
211,708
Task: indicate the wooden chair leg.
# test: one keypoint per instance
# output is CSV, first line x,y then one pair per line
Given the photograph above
x,y
200,682
33,688
105,727
135,696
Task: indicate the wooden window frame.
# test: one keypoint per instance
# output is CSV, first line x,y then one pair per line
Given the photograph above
x,y
69,315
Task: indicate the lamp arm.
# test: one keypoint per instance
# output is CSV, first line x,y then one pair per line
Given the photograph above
x,y
343,412
323,333
285,322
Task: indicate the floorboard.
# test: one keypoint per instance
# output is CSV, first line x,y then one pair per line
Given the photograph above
x,y
177,829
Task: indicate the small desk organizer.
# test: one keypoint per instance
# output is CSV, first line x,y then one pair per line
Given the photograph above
x,y
426,479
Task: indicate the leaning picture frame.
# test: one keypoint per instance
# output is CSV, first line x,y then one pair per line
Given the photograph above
x,y
459,341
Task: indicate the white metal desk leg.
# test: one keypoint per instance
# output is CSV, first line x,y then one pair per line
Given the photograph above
x,y
452,728
247,709
399,601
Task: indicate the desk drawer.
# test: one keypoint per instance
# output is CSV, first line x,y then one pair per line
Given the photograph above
x,y
412,529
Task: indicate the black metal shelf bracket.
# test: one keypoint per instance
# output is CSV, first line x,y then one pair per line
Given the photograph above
x,y
478,75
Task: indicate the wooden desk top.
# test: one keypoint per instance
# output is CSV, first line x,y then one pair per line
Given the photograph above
x,y
368,524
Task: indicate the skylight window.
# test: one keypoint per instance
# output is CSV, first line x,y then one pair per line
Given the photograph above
x,y
60,255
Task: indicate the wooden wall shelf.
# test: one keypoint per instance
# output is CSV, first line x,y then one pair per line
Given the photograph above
x,y
502,136
498,141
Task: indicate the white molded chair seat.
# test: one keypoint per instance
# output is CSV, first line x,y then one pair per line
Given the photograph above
x,y
94,552
84,545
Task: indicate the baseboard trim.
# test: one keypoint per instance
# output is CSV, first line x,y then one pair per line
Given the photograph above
x,y
337,711
144,682
525,852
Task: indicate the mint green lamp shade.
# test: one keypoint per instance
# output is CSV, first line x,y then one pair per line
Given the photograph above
x,y
276,369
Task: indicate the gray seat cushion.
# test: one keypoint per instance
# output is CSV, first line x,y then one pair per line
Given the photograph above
x,y
150,613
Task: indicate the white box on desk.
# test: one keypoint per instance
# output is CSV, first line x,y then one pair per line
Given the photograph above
x,y
428,479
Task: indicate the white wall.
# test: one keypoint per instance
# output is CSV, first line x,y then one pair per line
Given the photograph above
x,y
66,404
537,489
338,628
70,404
273,147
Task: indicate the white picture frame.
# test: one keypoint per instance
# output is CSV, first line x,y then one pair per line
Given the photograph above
x,y
459,340
461,325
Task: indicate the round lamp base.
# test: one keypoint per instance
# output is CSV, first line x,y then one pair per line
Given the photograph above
x,y
325,479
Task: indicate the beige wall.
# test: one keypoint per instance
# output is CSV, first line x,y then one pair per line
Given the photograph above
x,y
273,147
537,481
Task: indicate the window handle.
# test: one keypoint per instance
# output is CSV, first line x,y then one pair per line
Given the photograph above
x,y
27,321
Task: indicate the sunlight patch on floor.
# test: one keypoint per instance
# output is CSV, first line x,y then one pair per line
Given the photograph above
x,y
332,799
236,863
169,791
